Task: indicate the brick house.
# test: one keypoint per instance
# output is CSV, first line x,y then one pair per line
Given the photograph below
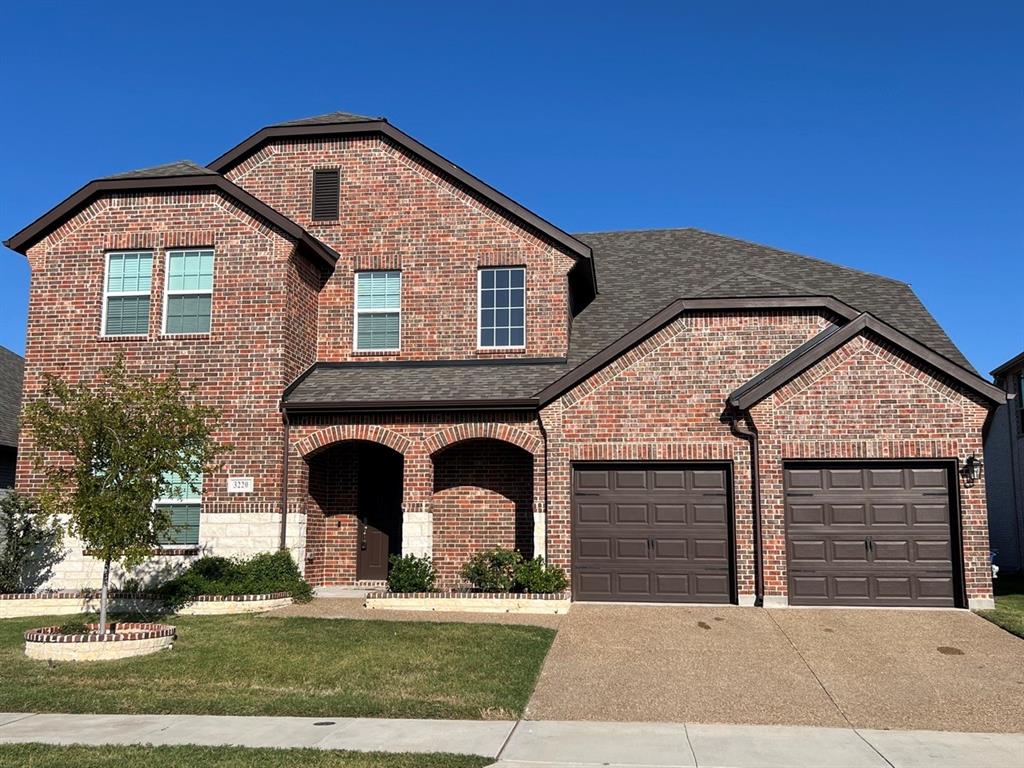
x,y
406,360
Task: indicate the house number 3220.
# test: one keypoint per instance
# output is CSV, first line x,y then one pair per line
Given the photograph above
x,y
240,485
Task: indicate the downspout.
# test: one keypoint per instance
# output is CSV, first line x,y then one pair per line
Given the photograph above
x,y
284,478
544,435
740,429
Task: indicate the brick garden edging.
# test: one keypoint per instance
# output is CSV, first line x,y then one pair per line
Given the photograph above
x,y
125,639
65,603
470,602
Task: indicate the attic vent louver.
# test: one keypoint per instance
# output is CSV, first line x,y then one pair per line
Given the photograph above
x,y
326,185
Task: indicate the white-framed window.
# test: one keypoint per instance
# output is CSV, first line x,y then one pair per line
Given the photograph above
x,y
127,280
501,302
182,500
378,310
188,291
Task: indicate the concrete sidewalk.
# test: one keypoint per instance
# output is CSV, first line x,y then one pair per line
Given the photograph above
x,y
535,744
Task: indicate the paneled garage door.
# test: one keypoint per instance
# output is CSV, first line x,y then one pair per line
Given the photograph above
x,y
651,533
876,534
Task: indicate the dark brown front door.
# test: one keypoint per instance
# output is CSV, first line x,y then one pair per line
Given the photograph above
x,y
651,533
380,511
869,534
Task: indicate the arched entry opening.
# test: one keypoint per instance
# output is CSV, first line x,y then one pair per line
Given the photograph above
x,y
355,523
483,498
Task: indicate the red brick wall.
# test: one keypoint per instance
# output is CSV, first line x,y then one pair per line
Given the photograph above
x,y
397,213
257,342
331,515
664,400
483,498
868,401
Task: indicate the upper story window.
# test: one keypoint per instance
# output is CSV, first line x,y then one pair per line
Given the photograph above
x,y
189,291
326,194
126,293
502,307
378,326
182,501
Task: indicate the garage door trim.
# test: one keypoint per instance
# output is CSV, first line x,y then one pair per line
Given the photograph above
x,y
726,467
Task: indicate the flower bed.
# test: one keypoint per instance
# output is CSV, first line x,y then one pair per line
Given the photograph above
x,y
121,641
470,602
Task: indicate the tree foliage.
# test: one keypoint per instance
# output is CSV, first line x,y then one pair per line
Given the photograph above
x,y
106,449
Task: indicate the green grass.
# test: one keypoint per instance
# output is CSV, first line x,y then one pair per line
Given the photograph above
x,y
250,665
1009,610
46,756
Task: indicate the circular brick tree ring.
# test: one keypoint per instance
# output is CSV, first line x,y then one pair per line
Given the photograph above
x,y
122,640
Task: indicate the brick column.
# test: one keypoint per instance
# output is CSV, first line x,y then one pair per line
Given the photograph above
x,y
417,516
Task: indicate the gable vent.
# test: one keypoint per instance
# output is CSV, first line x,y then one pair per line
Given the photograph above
x,y
326,186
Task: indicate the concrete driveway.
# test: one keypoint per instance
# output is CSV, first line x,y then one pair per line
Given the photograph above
x,y
910,669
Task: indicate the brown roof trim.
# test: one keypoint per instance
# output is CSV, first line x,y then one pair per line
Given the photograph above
x,y
379,406
673,310
766,382
237,154
1009,365
39,228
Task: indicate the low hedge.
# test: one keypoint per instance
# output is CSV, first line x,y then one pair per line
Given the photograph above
x,y
259,575
505,570
411,574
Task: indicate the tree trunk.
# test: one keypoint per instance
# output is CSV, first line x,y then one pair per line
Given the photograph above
x,y
103,595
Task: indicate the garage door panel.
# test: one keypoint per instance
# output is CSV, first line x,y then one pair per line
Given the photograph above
x,y
669,514
885,537
711,513
651,533
671,549
594,512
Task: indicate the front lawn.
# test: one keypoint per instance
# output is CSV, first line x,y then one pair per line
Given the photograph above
x,y
1009,610
255,665
45,756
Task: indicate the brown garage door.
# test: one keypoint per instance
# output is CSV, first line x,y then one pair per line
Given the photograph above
x,y
651,533
862,534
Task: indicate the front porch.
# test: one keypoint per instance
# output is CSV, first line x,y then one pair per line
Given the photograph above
x,y
445,493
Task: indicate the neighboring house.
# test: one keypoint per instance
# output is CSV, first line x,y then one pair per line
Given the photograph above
x,y
1004,469
406,360
12,369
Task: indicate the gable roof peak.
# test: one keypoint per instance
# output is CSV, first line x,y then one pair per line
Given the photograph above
x,y
329,118
167,170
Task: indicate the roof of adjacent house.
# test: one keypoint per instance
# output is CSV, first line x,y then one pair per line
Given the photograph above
x,y
330,118
647,278
1009,365
12,371
167,170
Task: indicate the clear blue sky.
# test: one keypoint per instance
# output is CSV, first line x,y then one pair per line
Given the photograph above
x,y
884,136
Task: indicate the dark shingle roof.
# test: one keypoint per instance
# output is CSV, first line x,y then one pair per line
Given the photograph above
x,y
375,382
640,272
12,371
331,118
177,168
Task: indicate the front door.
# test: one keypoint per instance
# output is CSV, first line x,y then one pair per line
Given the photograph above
x,y
380,511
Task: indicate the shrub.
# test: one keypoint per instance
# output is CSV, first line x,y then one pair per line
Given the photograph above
x,y
74,628
27,544
411,574
260,574
534,576
493,570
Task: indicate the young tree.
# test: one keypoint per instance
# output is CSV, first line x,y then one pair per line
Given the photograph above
x,y
119,441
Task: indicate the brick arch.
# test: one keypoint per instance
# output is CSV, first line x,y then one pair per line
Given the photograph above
x,y
503,432
339,433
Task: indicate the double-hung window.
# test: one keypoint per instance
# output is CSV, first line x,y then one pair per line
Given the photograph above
x,y
181,501
502,307
126,293
189,292
378,326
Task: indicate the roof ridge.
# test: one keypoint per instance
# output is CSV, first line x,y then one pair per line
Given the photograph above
x,y
188,168
815,259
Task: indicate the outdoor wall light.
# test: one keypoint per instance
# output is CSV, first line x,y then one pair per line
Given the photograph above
x,y
971,470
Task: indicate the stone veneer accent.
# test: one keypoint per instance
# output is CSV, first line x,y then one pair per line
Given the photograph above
x,y
470,602
126,639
